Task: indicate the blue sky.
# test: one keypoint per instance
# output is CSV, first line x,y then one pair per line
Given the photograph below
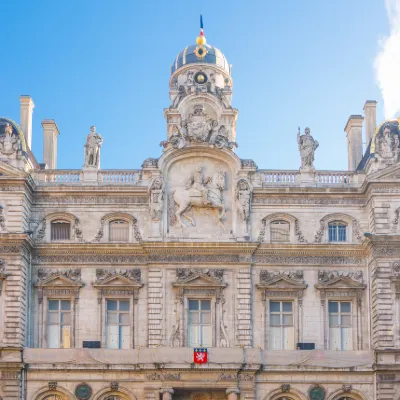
x,y
106,63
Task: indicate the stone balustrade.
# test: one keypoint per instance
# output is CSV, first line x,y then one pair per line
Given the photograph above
x,y
131,177
268,177
338,178
58,176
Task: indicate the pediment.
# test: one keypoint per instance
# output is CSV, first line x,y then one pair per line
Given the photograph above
x,y
57,281
389,173
340,282
282,282
8,171
200,280
117,280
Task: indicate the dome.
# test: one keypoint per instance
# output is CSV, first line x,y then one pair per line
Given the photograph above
x,y
188,56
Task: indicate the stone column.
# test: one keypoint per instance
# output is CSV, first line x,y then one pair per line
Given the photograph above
x,y
370,120
232,393
353,130
167,393
26,111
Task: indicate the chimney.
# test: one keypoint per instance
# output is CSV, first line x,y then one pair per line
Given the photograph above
x,y
26,111
50,139
370,120
353,130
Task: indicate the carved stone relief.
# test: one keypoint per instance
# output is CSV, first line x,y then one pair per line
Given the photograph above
x,y
184,274
205,192
150,163
156,197
45,274
325,276
3,228
244,193
199,127
3,275
387,144
267,276
103,274
10,142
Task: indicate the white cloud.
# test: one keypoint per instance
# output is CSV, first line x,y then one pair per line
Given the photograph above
x,y
387,62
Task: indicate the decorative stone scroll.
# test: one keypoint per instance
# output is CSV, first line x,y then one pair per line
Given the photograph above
x,y
117,282
62,283
199,281
199,127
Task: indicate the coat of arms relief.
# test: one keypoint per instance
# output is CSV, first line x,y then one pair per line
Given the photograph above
x,y
199,127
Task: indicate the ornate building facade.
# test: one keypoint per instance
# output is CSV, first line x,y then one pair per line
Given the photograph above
x,y
109,279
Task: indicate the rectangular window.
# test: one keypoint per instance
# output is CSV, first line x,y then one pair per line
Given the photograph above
x,y
337,232
340,332
200,326
117,324
281,325
59,324
60,230
119,231
280,232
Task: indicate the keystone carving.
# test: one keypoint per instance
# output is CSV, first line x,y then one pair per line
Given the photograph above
x,y
347,388
285,387
52,385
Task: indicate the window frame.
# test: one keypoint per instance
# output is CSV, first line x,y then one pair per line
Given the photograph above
x,y
130,300
60,325
338,224
128,229
281,313
280,222
212,319
60,221
340,326
295,233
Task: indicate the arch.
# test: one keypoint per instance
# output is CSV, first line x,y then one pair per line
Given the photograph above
x,y
44,392
353,228
61,215
103,232
121,394
294,231
43,233
292,394
352,395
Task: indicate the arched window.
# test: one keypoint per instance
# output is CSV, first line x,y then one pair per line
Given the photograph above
x,y
337,231
119,231
280,231
53,397
60,230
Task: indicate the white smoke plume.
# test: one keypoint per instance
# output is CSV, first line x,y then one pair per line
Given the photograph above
x,y
387,62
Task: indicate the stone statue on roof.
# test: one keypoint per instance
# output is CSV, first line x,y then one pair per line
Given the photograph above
x,y
307,146
92,148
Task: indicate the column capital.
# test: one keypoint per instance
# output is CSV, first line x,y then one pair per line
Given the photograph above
x,y
167,390
234,390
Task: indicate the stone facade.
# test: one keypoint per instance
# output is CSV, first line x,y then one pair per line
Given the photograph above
x,y
198,224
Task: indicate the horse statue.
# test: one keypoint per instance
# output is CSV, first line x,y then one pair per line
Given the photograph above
x,y
201,193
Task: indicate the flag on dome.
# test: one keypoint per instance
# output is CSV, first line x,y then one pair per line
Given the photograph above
x,y
201,26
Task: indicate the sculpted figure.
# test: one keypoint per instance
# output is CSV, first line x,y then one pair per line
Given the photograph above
x,y
92,148
243,196
307,147
8,143
179,97
200,192
387,144
156,197
222,97
198,183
